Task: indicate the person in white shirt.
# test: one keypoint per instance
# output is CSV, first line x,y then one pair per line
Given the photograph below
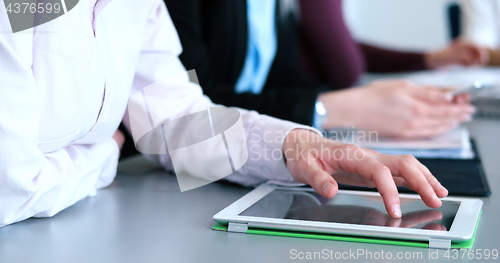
x,y
481,25
65,87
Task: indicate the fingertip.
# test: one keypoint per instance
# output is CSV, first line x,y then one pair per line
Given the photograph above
x,y
329,190
436,202
396,211
440,190
443,192
431,200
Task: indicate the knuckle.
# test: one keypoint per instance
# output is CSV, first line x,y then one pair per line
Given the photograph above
x,y
389,194
409,158
346,147
446,112
417,109
412,124
353,147
301,165
407,161
406,134
315,178
382,170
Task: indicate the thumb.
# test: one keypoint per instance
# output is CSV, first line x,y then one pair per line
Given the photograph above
x,y
309,172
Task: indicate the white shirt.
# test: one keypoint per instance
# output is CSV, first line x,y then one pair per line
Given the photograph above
x,y
482,22
65,89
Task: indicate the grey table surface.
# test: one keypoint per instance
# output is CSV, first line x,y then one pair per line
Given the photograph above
x,y
143,217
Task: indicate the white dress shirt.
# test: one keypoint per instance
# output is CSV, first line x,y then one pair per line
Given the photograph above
x,y
65,88
482,22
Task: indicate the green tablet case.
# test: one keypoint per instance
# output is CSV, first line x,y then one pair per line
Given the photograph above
x,y
259,231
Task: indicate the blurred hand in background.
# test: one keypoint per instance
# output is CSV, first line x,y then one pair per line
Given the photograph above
x,y
459,52
397,108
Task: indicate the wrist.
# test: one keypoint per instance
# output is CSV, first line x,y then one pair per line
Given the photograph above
x,y
431,60
340,107
298,136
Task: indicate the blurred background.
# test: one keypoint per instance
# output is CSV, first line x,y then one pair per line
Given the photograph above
x,y
419,25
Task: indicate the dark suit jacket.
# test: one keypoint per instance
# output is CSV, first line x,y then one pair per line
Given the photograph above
x,y
214,37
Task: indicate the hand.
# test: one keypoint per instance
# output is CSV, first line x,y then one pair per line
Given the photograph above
x,y
322,163
119,138
396,108
459,52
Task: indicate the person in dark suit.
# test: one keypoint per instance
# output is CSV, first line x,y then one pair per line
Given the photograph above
x,y
214,36
245,53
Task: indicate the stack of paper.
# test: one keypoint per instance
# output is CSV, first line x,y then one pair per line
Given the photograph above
x,y
453,76
452,145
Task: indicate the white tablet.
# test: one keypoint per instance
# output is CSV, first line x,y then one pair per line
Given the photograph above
x,y
352,213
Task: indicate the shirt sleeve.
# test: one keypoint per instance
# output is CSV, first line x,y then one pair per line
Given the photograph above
x,y
159,59
328,46
481,22
382,60
33,183
333,55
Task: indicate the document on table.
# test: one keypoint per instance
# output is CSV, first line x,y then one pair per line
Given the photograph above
x,y
454,76
452,145
457,76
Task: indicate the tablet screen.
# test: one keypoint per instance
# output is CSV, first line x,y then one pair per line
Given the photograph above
x,y
352,209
